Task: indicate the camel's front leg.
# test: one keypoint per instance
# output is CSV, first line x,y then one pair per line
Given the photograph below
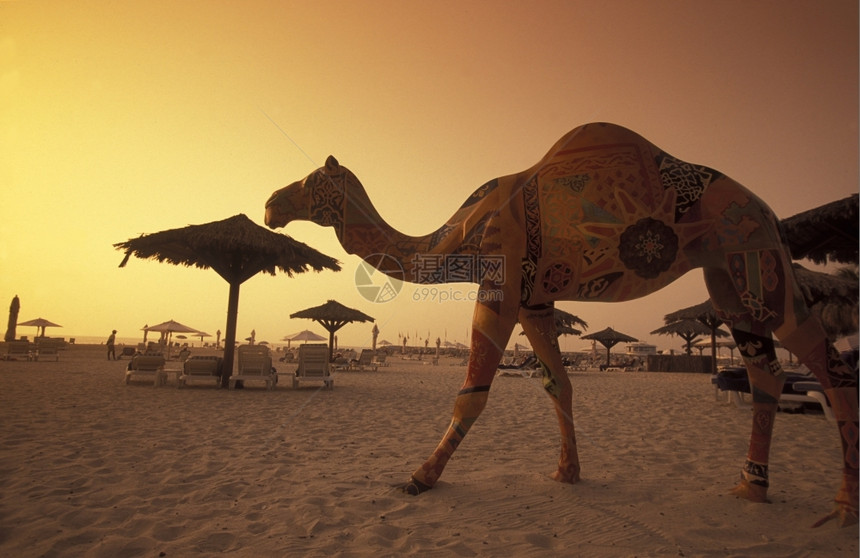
x,y
490,333
539,326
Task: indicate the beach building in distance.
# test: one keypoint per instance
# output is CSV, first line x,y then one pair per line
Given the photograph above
x,y
641,350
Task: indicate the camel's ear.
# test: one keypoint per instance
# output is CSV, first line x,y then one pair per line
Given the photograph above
x,y
331,165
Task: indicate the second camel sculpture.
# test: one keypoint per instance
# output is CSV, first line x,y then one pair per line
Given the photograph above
x,y
605,216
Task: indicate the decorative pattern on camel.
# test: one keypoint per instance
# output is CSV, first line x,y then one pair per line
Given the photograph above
x,y
604,216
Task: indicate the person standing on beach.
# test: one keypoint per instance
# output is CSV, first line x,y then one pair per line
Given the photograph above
x,y
110,345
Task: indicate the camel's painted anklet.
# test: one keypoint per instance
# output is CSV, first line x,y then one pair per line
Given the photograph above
x,y
756,474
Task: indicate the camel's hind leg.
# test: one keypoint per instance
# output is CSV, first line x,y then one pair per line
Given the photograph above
x,y
539,326
753,336
766,381
758,296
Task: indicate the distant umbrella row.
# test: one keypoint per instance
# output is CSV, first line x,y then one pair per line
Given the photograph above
x,y
237,249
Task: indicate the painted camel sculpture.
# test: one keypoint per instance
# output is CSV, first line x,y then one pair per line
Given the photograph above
x,y
604,216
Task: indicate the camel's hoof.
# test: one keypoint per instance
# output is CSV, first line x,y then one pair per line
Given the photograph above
x,y
566,477
845,516
415,487
751,492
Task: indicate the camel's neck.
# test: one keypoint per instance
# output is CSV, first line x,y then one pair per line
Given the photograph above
x,y
363,232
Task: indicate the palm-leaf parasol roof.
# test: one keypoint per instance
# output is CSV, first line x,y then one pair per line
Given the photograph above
x,y
817,286
686,326
332,315
704,312
688,329
609,338
170,327
564,322
825,233
237,249
832,298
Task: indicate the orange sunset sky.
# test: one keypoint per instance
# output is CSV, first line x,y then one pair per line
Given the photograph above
x,y
122,118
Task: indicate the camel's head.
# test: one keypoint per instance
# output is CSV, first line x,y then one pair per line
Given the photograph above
x,y
295,201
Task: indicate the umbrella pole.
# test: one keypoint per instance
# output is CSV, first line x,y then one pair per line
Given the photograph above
x,y
230,334
713,350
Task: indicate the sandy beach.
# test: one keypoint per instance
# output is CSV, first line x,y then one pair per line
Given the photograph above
x,y
93,467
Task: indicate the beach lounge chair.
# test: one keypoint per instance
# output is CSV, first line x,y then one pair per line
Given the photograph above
x,y
809,392
147,366
365,361
254,364
47,348
341,364
313,365
153,348
203,368
380,359
18,350
798,388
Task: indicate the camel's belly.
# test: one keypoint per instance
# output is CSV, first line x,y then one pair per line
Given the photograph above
x,y
601,222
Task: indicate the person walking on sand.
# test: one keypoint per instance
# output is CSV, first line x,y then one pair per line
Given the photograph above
x,y
110,345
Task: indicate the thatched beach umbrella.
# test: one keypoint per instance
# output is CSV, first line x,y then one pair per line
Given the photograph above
x,y
730,345
201,335
565,322
14,307
304,335
332,315
39,323
832,298
705,314
237,249
609,338
168,328
825,233
689,330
